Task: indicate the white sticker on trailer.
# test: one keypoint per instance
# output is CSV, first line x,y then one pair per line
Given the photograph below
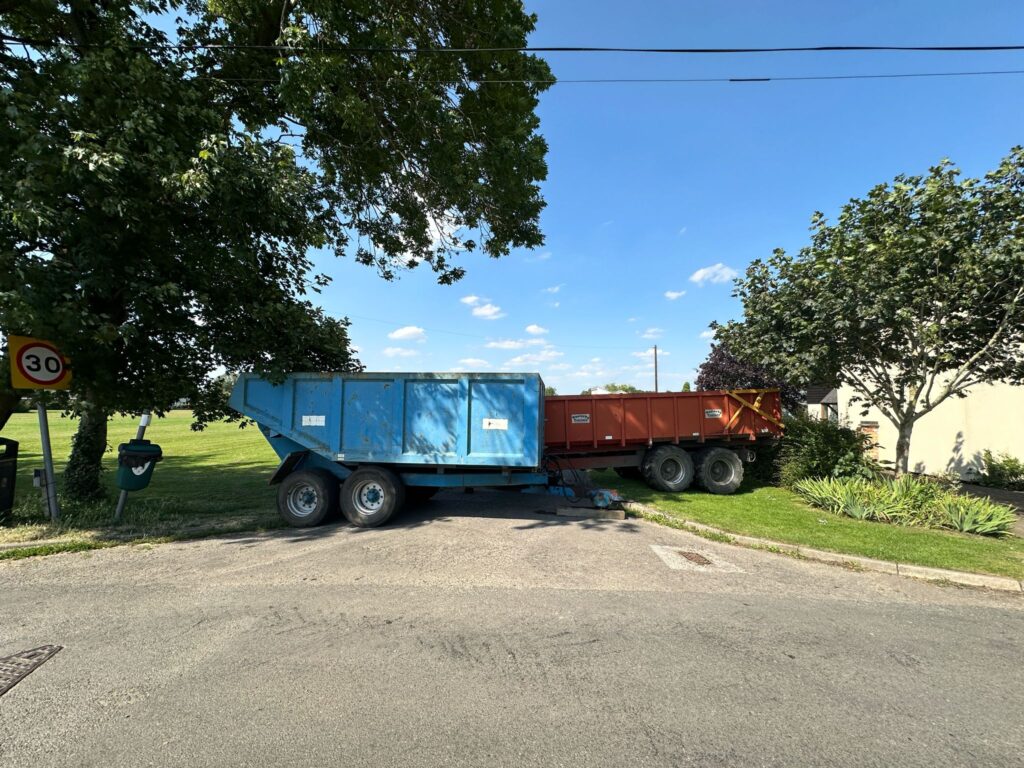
x,y
313,420
496,424
712,413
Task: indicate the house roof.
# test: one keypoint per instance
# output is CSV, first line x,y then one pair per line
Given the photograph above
x,y
821,393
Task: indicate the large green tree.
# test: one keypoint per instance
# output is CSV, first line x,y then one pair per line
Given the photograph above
x,y
914,295
167,166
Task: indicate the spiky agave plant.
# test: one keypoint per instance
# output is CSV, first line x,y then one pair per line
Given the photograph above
x,y
973,515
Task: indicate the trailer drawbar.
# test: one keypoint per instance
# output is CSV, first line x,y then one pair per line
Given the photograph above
x,y
370,442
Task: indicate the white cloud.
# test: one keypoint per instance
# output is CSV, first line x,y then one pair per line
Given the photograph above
x,y
475,362
716,273
505,344
630,319
652,333
559,367
673,295
595,359
399,352
546,355
708,334
682,231
543,256
650,353
554,288
470,300
488,312
555,304
408,333
535,329
513,343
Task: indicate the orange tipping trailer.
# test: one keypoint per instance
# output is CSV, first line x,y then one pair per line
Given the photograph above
x,y
621,420
667,439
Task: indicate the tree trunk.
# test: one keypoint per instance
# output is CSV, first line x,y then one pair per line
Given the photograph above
x,y
85,466
905,429
9,398
8,402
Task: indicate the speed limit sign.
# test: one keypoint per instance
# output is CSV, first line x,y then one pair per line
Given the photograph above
x,y
37,364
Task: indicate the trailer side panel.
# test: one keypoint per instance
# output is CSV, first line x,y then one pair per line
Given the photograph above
x,y
606,422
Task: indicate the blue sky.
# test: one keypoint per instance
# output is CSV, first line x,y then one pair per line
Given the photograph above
x,y
658,193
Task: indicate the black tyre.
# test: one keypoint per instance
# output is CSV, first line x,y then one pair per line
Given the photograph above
x,y
308,497
370,495
668,468
418,494
721,471
629,473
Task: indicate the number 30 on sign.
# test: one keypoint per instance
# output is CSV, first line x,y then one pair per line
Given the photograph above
x,y
37,364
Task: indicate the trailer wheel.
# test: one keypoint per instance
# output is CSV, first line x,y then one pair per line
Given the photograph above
x,y
721,471
370,495
668,468
307,498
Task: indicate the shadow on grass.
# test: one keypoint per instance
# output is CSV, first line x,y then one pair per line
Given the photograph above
x,y
186,499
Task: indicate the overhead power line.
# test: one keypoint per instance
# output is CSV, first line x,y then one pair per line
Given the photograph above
x,y
522,49
655,80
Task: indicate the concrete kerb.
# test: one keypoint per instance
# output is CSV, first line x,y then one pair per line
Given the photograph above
x,y
855,562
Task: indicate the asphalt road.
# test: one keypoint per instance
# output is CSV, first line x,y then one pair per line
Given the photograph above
x,y
476,633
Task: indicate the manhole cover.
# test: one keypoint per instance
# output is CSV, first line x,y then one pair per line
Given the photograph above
x,y
14,669
704,561
694,557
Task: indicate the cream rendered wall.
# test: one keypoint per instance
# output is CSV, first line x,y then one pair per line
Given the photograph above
x,y
952,437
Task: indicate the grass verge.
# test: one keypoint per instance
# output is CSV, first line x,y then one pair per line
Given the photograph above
x,y
210,482
779,515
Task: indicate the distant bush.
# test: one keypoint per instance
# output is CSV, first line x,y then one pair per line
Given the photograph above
x,y
1002,471
907,500
821,448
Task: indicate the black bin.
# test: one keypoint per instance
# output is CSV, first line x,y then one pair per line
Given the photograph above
x,y
8,470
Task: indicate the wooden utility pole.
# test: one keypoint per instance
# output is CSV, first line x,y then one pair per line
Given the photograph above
x,y
655,367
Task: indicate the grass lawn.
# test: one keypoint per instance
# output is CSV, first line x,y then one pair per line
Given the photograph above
x,y
778,514
210,481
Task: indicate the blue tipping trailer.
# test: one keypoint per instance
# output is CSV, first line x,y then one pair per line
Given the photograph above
x,y
392,435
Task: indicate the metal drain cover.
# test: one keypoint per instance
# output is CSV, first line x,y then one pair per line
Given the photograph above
x,y
703,561
15,668
693,557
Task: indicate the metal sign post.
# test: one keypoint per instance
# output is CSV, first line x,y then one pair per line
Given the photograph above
x,y
49,478
38,364
122,498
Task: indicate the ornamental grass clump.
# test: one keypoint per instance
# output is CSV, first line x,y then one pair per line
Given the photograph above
x,y
907,501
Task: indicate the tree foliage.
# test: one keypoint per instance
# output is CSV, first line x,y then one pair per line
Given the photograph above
x,y
167,167
914,295
724,370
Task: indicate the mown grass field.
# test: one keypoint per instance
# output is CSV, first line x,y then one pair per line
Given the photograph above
x,y
214,480
780,515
